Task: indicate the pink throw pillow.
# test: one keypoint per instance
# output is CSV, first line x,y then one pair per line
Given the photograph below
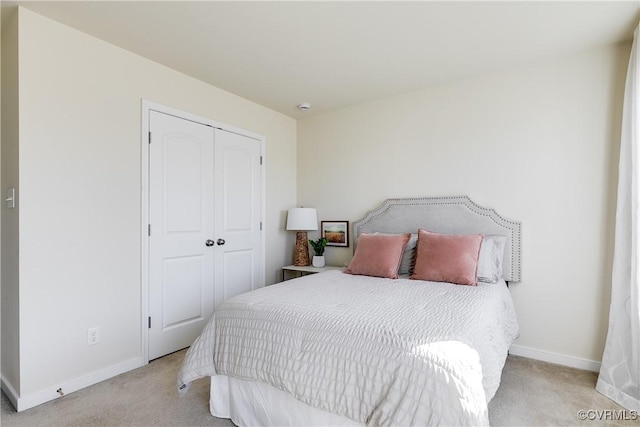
x,y
378,255
451,258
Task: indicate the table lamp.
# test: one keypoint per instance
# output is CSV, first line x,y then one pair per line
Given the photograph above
x,y
302,220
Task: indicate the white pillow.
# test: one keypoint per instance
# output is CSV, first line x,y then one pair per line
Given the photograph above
x,y
409,256
490,259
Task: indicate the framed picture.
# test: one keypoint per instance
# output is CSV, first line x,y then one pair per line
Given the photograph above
x,y
336,233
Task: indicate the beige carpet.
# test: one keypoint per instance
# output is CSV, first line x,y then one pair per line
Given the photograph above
x,y
532,394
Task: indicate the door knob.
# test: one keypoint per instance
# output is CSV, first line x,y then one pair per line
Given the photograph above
x,y
209,242
221,242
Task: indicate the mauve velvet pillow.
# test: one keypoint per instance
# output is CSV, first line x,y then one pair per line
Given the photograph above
x,y
378,255
451,258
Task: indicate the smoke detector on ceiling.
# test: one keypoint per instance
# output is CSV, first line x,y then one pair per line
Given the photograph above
x,y
305,106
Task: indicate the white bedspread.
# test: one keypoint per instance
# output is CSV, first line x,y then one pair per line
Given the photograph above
x,y
378,351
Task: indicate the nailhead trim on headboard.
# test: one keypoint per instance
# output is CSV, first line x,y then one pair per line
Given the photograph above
x,y
509,226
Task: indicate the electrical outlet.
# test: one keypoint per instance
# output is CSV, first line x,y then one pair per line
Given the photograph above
x,y
93,336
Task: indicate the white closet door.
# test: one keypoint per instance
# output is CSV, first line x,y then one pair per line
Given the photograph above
x,y
237,215
181,211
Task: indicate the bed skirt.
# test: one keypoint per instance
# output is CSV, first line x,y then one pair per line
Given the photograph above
x,y
252,403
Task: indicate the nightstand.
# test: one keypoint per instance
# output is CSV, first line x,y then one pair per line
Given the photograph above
x,y
303,271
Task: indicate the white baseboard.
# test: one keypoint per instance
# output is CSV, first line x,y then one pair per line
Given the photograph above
x,y
25,402
558,359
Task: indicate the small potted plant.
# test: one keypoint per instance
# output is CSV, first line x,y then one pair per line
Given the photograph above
x,y
318,248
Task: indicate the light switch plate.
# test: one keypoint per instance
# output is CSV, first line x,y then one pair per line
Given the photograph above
x,y
11,198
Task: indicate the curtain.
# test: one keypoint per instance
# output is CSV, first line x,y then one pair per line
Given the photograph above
x,y
619,377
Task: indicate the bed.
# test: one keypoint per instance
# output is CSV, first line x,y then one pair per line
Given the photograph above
x,y
353,349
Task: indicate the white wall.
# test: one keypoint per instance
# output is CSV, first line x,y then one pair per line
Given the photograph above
x,y
539,144
10,355
80,103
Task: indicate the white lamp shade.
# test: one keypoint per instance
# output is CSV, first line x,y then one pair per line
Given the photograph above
x,y
302,219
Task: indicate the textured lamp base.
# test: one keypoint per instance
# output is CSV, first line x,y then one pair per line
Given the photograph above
x,y
301,256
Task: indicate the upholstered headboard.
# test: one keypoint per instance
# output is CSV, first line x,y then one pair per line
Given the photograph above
x,y
453,215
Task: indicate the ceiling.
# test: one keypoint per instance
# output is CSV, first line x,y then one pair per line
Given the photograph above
x,y
335,54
